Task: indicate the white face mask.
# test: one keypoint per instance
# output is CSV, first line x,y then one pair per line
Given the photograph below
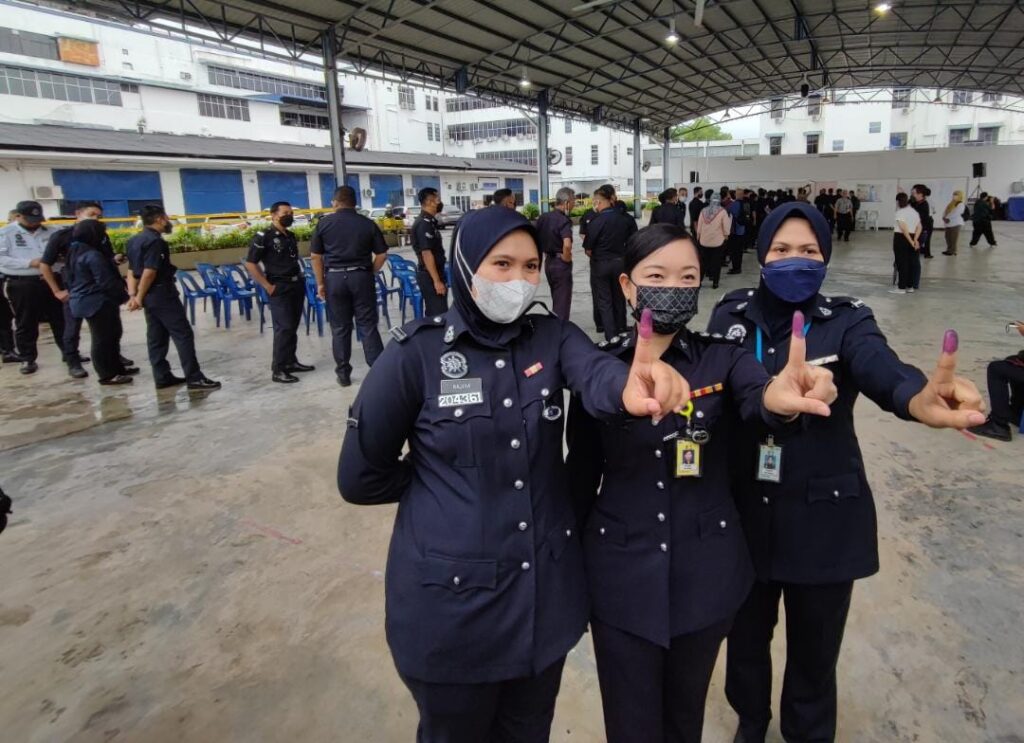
x,y
501,302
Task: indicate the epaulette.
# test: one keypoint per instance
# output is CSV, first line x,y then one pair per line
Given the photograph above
x,y
718,338
736,295
407,331
840,301
616,343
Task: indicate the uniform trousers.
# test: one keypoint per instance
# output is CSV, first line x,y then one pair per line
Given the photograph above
x,y
106,330
915,258
559,275
607,294
1006,390
433,303
514,711
815,621
711,262
166,321
654,694
33,303
286,312
6,320
735,247
72,335
983,228
352,294
844,226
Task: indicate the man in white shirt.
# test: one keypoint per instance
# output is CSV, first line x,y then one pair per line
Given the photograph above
x,y
21,247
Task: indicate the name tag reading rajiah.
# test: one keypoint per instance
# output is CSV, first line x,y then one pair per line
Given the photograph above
x,y
458,392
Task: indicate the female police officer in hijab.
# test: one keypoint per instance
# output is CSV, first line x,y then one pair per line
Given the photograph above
x,y
485,592
666,562
809,519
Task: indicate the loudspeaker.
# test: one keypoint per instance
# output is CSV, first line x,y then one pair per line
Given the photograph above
x,y
979,170
694,176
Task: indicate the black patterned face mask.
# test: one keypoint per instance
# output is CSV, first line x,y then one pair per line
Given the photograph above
x,y
671,306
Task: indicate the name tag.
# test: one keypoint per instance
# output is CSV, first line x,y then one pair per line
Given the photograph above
x,y
458,392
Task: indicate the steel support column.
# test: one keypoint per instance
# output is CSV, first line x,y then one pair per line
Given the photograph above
x,y
542,149
330,51
638,158
666,150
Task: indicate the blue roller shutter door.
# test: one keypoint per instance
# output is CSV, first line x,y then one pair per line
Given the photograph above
x,y
327,188
387,189
283,186
213,191
121,192
425,181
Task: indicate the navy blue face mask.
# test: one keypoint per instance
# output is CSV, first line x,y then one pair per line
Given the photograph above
x,y
794,280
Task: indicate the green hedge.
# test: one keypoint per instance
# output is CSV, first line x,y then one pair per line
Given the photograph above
x,y
187,240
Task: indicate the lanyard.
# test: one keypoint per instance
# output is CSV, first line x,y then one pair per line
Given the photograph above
x,y
760,343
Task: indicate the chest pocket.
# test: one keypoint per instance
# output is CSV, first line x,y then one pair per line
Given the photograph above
x,y
460,434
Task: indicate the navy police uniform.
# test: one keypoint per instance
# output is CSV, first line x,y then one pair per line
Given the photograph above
x,y
668,213
666,561
606,238
485,592
165,315
553,228
426,237
814,532
348,242
279,253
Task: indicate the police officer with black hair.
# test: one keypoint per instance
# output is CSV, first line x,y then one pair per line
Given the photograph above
x,y
803,495
22,244
281,277
504,197
347,250
605,243
426,242
149,259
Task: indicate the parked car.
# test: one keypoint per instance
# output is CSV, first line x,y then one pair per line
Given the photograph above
x,y
449,217
409,216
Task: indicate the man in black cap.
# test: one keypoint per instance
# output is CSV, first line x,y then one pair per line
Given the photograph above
x,y
281,277
21,248
426,242
347,249
150,259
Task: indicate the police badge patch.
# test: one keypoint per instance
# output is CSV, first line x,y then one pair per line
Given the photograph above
x,y
454,365
736,333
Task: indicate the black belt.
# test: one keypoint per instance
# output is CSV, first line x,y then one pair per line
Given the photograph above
x,y
13,277
346,269
274,279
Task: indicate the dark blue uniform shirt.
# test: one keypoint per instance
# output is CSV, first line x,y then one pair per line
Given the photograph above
x,y
347,239
485,572
94,280
426,236
818,525
148,249
607,234
278,252
668,214
552,229
664,555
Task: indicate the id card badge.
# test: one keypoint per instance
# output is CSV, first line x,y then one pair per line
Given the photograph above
x,y
769,462
688,458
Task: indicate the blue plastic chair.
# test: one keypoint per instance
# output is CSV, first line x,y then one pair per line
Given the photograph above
x,y
240,273
208,273
383,294
262,300
191,291
232,292
410,295
315,307
1021,427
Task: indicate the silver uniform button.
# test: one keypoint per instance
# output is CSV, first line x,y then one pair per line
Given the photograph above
x,y
458,412
601,531
657,453
499,364
660,485
700,413
514,443
525,566
507,402
661,517
664,547
545,392
568,532
437,319
765,500
771,351
721,524
519,484
456,580
523,526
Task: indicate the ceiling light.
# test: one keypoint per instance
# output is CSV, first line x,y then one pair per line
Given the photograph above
x,y
525,81
883,8
672,37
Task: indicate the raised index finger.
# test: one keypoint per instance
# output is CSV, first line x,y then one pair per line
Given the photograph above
x,y
644,354
797,343
945,371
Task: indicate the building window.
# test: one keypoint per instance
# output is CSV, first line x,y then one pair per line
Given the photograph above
x,y
481,130
568,157
901,97
241,80
406,98
988,134
778,107
812,143
962,97
839,99
615,154
875,127
433,103
222,107
774,145
629,181
897,140
304,120
991,97
28,44
568,126
437,132
629,152
838,145
814,105
58,86
959,136
468,103
129,88
430,132
594,156
433,132
523,157
593,127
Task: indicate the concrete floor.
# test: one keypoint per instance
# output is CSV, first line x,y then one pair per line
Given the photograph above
x,y
181,568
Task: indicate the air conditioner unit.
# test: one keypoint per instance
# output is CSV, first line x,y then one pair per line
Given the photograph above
x,y
474,187
410,192
185,75
47,192
778,115
460,186
369,192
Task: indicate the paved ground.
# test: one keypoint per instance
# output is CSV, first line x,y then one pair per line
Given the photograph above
x,y
182,569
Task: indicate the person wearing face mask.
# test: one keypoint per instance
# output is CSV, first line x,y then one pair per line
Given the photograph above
x,y
281,277
484,589
712,231
666,562
149,259
426,242
97,292
810,519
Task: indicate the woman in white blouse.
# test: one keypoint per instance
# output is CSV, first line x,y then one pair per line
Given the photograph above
x,y
906,231
953,218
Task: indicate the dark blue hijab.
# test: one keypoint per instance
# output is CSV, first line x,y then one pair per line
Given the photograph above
x,y
802,210
478,232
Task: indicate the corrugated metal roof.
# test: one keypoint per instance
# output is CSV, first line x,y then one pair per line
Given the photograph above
x,y
41,137
613,57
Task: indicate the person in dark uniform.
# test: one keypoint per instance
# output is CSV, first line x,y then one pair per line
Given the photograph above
x,y
668,212
554,233
810,522
149,258
347,250
22,244
503,197
605,244
682,204
919,200
585,220
1006,393
426,242
281,277
665,559
484,590
97,292
695,207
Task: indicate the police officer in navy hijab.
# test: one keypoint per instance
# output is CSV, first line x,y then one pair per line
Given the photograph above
x,y
803,496
485,591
